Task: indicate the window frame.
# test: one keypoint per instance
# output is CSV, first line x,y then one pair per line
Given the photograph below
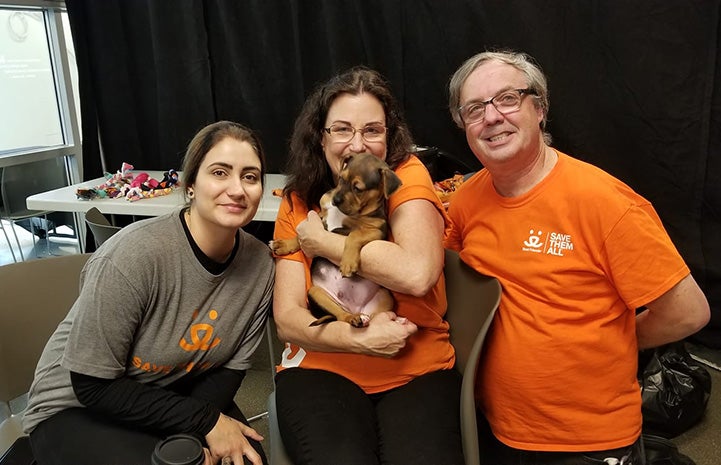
x,y
71,149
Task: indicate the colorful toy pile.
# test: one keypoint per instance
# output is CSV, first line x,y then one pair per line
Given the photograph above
x,y
131,186
446,188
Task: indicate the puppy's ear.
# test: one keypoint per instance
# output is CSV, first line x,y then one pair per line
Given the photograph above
x,y
390,182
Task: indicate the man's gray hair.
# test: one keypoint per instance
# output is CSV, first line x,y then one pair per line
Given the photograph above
x,y
535,80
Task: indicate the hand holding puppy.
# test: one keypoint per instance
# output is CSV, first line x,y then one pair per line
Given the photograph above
x,y
310,234
386,335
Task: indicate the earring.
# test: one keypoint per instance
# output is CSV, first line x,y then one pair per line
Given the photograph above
x,y
191,194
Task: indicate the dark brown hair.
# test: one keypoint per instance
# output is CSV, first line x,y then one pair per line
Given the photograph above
x,y
207,138
308,173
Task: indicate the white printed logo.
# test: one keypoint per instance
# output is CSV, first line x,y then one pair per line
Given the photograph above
x,y
554,243
533,244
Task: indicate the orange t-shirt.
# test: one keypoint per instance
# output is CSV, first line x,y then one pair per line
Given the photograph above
x,y
427,350
575,256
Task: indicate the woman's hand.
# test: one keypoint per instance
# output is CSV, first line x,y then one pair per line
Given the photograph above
x,y
310,234
228,439
385,335
208,457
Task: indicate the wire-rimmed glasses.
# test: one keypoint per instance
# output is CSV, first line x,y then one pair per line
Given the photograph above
x,y
505,102
344,132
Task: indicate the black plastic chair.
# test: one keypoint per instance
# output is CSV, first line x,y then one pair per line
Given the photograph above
x,y
443,165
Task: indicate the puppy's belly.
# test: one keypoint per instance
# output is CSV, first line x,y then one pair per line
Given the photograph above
x,y
354,294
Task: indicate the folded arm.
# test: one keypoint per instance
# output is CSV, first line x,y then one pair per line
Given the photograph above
x,y
411,264
385,335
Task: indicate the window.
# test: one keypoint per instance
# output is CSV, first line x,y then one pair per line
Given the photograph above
x,y
38,85
39,120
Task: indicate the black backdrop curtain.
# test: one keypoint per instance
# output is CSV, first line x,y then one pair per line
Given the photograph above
x,y
635,87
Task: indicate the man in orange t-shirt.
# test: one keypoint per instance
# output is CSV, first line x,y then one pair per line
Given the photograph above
x,y
577,252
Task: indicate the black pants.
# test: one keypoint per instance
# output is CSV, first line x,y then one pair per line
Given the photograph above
x,y
79,436
494,452
325,418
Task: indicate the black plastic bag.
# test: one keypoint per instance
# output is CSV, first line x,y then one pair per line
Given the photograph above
x,y
661,451
675,391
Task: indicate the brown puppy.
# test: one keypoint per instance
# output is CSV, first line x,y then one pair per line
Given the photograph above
x,y
356,207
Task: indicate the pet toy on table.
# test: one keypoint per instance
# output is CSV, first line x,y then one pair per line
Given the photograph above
x,y
133,187
446,188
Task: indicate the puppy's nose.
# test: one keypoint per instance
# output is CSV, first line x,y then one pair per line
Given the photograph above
x,y
337,199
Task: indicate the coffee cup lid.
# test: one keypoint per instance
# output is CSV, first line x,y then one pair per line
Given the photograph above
x,y
178,449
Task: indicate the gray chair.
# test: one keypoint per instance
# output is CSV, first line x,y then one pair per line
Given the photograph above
x,y
20,181
278,454
100,226
472,302
36,296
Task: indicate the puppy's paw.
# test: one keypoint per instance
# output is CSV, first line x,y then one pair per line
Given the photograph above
x,y
276,247
348,268
283,247
359,320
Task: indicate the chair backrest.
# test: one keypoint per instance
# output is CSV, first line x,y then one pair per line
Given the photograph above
x,y
36,296
443,165
21,181
100,226
472,302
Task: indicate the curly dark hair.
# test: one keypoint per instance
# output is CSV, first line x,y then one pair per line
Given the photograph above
x,y
308,173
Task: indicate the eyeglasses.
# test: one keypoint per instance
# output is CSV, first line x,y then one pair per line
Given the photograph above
x,y
344,133
506,102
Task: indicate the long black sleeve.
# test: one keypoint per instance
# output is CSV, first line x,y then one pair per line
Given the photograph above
x,y
217,387
158,408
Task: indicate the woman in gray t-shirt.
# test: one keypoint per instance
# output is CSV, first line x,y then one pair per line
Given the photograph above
x,y
170,311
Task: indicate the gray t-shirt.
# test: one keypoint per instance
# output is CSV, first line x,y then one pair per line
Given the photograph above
x,y
150,311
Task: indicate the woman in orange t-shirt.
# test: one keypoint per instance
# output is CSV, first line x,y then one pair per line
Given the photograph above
x,y
385,393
